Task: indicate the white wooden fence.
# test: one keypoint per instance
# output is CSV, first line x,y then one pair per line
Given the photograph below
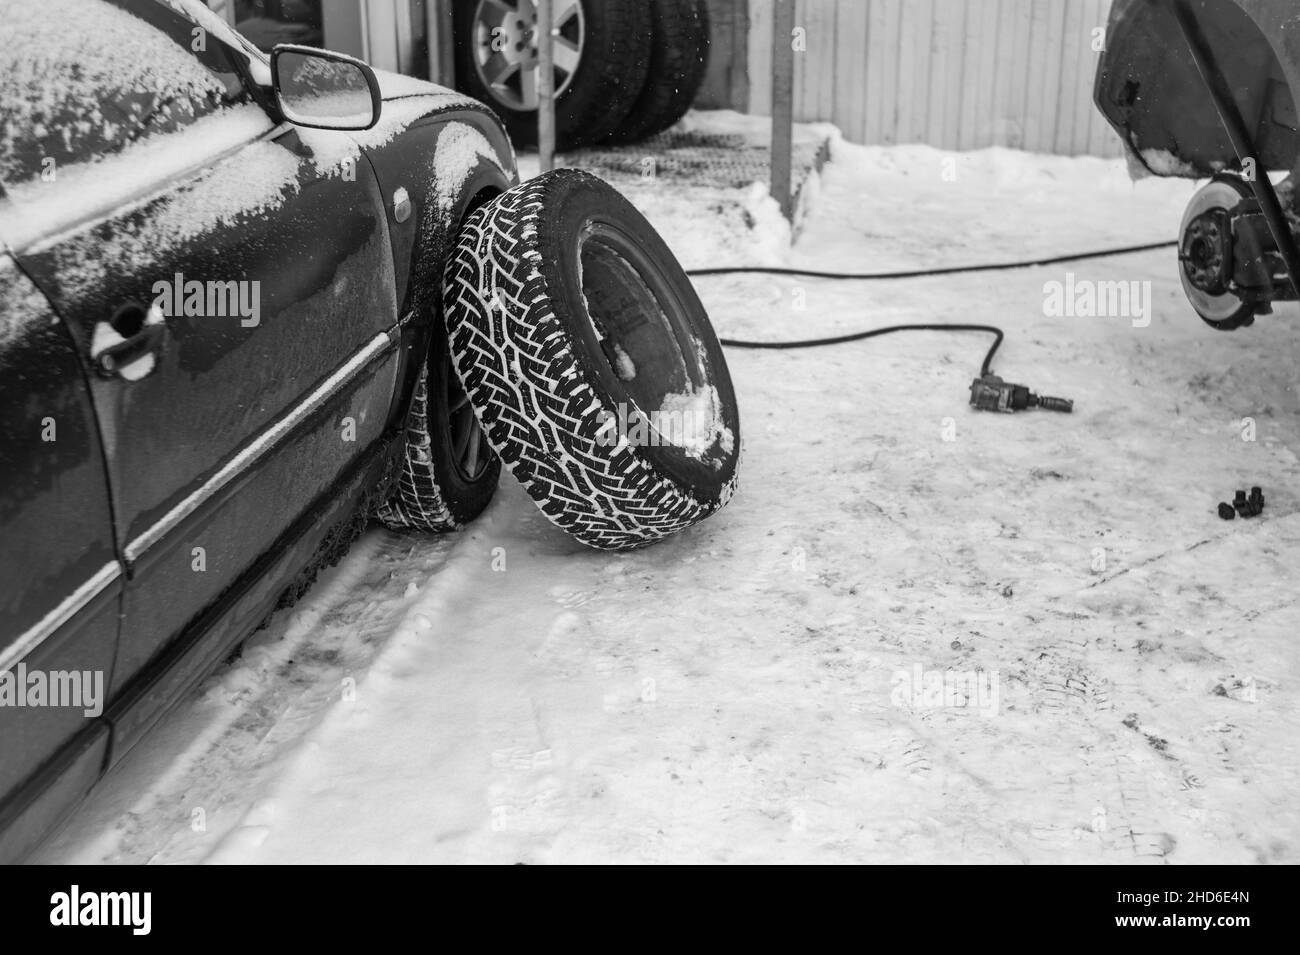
x,y
956,74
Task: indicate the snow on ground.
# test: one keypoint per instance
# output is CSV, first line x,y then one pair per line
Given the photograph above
x,y
698,184
758,689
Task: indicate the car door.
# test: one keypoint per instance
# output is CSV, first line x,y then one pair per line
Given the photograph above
x,y
59,600
229,284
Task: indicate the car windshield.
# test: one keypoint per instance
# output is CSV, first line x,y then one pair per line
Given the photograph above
x,y
82,79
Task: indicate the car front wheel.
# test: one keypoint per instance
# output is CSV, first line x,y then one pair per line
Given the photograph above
x,y
448,471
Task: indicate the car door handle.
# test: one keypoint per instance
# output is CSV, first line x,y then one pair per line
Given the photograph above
x,y
148,334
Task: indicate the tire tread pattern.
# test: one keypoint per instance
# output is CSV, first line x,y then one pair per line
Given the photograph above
x,y
516,362
417,503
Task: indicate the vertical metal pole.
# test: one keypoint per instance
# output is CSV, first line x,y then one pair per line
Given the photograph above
x,y
783,104
546,84
442,50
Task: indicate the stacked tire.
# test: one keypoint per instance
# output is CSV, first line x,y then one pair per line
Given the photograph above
x,y
624,69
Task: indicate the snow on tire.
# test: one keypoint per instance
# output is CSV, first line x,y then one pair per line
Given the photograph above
x,y
591,362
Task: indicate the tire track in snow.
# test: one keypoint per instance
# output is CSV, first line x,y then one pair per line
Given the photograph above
x,y
446,753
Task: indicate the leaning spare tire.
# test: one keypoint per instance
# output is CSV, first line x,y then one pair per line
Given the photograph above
x,y
591,362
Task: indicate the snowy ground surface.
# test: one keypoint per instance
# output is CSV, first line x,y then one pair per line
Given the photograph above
x,y
741,693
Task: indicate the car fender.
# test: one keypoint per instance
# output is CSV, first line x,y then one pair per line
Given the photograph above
x,y
452,154
1149,89
445,159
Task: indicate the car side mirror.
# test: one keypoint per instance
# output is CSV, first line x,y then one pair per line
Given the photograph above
x,y
324,90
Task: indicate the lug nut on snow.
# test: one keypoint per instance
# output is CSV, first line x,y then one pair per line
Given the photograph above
x,y
1246,506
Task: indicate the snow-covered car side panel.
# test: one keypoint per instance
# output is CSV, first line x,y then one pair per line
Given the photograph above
x,y
308,256
260,267
1150,90
62,585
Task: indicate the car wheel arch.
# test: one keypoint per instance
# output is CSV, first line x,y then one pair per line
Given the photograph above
x,y
422,299
1186,124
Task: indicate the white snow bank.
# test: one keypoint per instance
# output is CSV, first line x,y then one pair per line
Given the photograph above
x,y
755,130
997,204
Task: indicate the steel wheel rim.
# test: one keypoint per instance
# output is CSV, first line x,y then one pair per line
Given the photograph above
x,y
506,48
679,348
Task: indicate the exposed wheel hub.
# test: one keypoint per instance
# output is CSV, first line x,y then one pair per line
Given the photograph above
x,y
1230,266
1207,252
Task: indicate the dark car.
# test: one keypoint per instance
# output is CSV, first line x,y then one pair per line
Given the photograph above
x,y
214,321
1206,89
249,304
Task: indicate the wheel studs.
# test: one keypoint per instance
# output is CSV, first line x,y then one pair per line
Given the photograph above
x,y
1246,506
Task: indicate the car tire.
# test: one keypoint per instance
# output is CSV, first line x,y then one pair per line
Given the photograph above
x,y
679,58
448,472
614,42
571,324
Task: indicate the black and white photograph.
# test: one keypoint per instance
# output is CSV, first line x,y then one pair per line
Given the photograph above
x,y
651,432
